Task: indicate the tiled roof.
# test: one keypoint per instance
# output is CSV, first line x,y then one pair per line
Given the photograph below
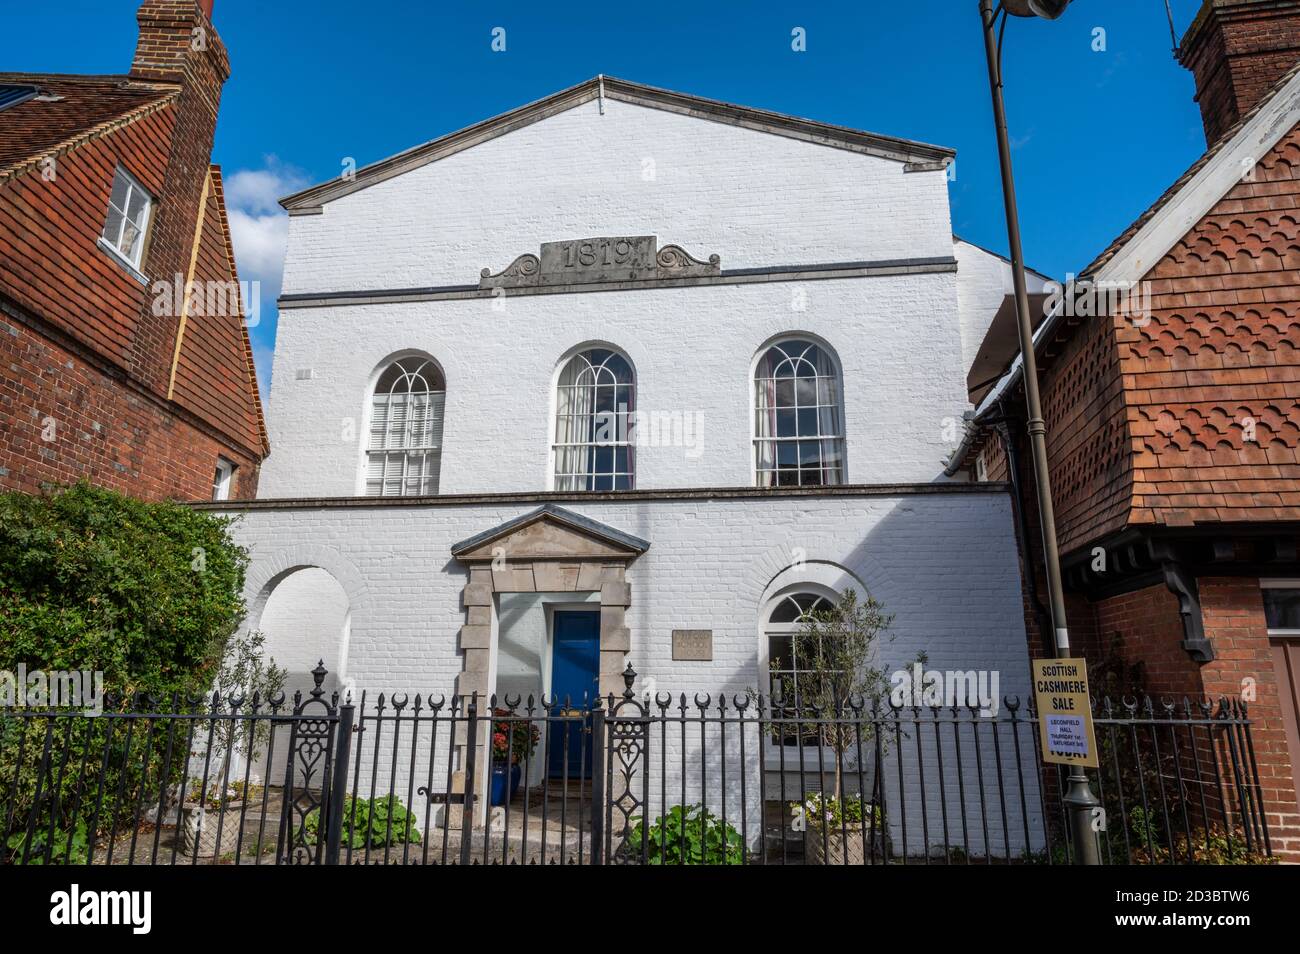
x,y
70,110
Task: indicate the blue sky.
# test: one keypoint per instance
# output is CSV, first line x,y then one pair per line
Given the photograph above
x,y
1098,133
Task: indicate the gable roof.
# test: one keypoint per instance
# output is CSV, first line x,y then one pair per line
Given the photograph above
x,y
916,154
250,365
212,370
585,526
69,110
1141,246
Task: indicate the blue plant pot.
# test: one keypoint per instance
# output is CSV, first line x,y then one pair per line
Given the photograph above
x,y
504,783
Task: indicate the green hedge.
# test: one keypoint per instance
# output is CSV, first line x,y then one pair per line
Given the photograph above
x,y
149,593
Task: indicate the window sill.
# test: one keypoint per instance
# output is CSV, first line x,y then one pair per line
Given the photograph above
x,y
121,260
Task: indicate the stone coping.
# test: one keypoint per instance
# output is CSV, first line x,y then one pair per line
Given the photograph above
x,y
735,276
620,496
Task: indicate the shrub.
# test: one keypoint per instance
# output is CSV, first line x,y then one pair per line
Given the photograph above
x,y
149,594
71,847
687,835
366,821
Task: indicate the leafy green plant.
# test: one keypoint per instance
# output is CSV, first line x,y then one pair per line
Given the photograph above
x,y
838,644
366,821
687,835
235,794
850,811
148,594
69,847
246,670
1143,843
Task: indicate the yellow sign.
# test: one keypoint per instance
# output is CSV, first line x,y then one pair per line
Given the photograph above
x,y
1064,712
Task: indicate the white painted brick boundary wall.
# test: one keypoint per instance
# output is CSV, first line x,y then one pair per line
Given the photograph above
x,y
944,563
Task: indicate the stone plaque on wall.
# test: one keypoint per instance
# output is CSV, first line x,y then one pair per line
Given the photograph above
x,y
615,258
611,258
693,645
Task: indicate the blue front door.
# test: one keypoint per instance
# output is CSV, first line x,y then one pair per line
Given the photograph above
x,y
575,673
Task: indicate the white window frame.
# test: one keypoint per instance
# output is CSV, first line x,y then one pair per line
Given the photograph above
x,y
813,755
755,439
223,479
113,243
629,441
420,361
1280,585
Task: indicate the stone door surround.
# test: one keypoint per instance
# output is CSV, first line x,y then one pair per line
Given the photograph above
x,y
549,550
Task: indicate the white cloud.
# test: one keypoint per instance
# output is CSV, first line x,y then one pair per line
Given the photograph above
x,y
259,228
259,246
260,190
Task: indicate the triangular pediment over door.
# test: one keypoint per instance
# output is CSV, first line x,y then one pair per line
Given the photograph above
x,y
551,533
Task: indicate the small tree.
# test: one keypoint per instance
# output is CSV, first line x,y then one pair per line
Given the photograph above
x,y
248,673
837,645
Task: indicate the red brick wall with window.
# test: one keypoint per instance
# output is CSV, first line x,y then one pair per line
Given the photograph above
x,y
80,343
139,400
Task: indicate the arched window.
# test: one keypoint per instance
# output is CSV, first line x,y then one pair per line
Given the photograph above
x,y
784,667
799,417
405,449
594,406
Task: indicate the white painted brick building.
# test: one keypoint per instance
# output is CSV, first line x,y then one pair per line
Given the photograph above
x,y
829,242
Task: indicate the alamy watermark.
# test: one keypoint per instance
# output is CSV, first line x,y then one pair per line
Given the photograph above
x,y
931,688
1086,298
56,689
208,299
650,429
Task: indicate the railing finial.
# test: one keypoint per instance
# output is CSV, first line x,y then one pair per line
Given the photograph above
x,y
629,677
318,675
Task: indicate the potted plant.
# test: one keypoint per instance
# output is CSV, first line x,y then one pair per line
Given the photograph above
x,y
246,673
512,743
838,646
203,813
840,831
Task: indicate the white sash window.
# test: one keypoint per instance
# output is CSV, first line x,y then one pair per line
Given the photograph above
x,y
404,455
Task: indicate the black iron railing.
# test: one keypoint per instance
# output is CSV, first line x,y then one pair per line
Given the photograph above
x,y
662,779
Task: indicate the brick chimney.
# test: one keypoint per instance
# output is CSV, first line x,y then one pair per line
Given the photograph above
x,y
177,44
1238,50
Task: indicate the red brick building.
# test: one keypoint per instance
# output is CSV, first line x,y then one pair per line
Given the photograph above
x,y
1174,418
124,355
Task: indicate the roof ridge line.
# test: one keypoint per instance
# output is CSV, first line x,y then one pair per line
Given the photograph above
x,y
688,104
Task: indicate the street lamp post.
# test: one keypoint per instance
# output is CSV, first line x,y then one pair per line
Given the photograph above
x,y
1078,796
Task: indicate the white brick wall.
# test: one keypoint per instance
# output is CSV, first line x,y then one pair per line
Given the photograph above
x,y
983,286
693,349
945,564
755,198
